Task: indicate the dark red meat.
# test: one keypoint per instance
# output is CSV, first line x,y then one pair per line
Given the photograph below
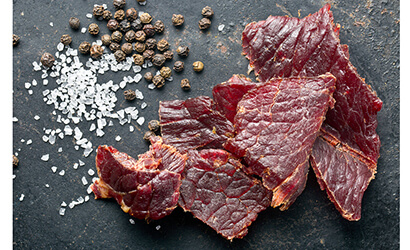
x,y
193,124
219,193
276,125
147,188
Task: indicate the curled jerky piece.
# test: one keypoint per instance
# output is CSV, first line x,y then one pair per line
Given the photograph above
x,y
216,190
277,124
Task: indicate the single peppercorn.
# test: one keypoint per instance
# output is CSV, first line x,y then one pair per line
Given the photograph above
x,y
138,59
148,54
129,36
159,26
119,4
158,60
148,76
131,14
136,24
165,72
145,18
139,47
149,30
127,48
204,23
93,29
119,15
198,66
106,40
158,81
154,125
47,60
125,25
207,12
96,51
178,66
185,84
169,55
98,10
148,135
84,47
16,40
116,36
151,43
74,22
107,15
15,161
177,20
113,24
140,36
115,46
129,95
66,39
163,45
119,55
183,51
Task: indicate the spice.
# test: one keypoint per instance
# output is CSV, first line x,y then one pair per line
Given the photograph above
x,y
151,43
168,54
15,161
113,24
66,39
119,4
148,54
178,66
140,36
98,10
163,45
165,72
119,55
125,25
158,60
148,76
207,12
158,81
16,40
183,50
153,125
116,36
127,48
185,84
136,24
145,18
159,26
148,135
198,66
129,95
204,23
107,15
106,40
138,59
114,46
131,14
74,22
149,30
139,47
119,15
93,29
177,20
96,51
84,47
129,36
47,59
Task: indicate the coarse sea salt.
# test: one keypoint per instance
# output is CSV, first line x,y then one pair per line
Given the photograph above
x,y
84,180
62,172
61,211
21,197
29,141
54,169
45,157
91,172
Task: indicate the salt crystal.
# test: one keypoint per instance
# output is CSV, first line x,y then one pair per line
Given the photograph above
x,y
75,166
89,15
170,79
87,151
136,68
61,211
158,227
89,190
98,42
47,186
91,172
54,169
27,85
21,197
141,120
60,47
84,181
76,147
94,179
45,157
81,163
62,172
61,135
63,204
71,205
221,27
60,149
29,141
142,3
36,117
138,94
123,84
99,132
132,221
52,139
110,124
51,24
118,138
83,30
131,128
151,86
86,198
137,78
30,92
15,119
34,82
144,105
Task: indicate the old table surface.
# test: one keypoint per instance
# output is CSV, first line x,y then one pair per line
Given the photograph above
x,y
370,28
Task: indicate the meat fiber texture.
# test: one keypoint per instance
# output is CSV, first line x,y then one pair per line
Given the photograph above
x,y
216,191
276,125
147,188
284,47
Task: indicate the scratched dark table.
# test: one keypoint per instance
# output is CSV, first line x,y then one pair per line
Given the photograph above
x,y
370,28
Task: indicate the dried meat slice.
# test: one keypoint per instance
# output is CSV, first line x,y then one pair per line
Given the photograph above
x,y
147,188
276,125
193,123
216,190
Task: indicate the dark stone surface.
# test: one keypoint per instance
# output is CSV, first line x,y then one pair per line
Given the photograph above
x,y
370,28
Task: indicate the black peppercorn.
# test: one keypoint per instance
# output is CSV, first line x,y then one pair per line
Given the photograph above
x,y
138,59
198,66
178,66
119,55
119,15
145,18
168,54
113,24
148,135
93,29
148,76
139,47
125,25
107,15
129,36
154,125
140,36
159,26
158,81
98,10
15,161
183,50
131,14
119,4
115,46
149,30
74,23
165,72
116,36
163,45
66,39
127,48
158,60
207,12
47,59
148,54
84,47
136,24
177,20
106,40
151,43
16,40
204,23
129,95
185,84
96,51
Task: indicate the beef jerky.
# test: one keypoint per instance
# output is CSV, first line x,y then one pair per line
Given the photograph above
x,y
283,47
193,124
147,188
216,190
227,94
276,125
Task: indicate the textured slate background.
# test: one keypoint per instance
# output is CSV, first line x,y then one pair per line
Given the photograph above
x,y
370,28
